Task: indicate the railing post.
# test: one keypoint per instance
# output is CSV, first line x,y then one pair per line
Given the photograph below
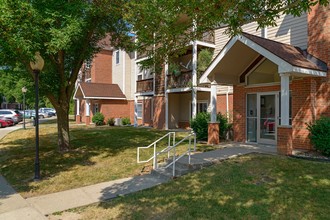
x,y
155,157
174,163
189,153
194,142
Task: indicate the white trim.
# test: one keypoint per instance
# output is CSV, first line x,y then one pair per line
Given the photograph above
x,y
283,65
213,104
114,98
78,107
124,71
203,89
185,89
141,59
263,85
205,44
285,98
166,97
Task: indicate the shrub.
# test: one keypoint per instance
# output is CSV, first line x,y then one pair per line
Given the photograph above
x,y
320,135
200,125
126,121
111,122
98,119
224,125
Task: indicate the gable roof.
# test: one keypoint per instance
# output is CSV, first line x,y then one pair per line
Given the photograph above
x,y
292,55
288,58
100,91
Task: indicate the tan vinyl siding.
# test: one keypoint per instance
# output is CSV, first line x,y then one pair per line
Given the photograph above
x,y
117,74
251,28
290,30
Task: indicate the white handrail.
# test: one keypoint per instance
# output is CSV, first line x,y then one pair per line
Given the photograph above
x,y
154,144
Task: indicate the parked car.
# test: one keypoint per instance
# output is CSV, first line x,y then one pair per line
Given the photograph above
x,y
3,123
30,113
13,114
9,121
50,111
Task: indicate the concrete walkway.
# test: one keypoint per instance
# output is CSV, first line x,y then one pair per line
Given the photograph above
x,y
13,206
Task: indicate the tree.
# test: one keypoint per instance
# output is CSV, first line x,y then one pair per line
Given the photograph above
x,y
66,33
168,23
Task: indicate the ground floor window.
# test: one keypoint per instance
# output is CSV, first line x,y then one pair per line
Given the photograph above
x,y
95,108
139,109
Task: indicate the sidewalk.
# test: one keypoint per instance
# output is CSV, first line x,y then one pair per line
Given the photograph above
x,y
13,206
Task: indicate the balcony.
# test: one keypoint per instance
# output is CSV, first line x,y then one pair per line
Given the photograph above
x,y
208,37
145,85
181,81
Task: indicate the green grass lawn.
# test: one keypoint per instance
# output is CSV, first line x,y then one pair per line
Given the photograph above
x,y
98,154
248,187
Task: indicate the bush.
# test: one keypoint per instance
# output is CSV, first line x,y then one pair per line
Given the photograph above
x,y
224,125
98,119
200,125
111,122
320,135
126,121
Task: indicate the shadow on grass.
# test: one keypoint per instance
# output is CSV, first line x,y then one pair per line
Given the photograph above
x,y
18,154
248,187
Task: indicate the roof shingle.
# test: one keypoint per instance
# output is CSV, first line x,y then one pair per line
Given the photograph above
x,y
102,90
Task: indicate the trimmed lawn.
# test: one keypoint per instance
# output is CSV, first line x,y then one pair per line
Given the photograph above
x,y
247,187
98,154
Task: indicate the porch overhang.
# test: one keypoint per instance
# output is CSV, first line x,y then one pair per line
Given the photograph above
x,y
241,52
98,91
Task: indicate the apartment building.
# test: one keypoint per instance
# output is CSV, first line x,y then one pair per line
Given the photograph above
x,y
280,77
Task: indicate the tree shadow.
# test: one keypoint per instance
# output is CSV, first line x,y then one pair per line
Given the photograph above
x,y
258,187
17,157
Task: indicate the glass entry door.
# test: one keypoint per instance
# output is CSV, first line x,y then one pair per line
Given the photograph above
x,y
268,113
261,118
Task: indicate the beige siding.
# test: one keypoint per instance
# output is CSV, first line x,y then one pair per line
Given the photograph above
x,y
117,70
290,30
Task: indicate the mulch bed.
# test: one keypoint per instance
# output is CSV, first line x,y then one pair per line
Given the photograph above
x,y
311,155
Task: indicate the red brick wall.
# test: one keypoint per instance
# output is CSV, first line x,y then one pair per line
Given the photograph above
x,y
102,67
147,106
115,109
222,104
159,112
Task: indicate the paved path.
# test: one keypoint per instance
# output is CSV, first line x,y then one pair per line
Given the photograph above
x,y
13,206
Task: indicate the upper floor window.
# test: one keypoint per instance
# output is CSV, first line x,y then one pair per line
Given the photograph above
x,y
117,56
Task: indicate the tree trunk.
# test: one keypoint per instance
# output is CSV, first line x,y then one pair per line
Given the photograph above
x,y
63,129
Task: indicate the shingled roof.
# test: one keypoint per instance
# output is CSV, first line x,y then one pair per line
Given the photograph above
x,y
101,91
292,55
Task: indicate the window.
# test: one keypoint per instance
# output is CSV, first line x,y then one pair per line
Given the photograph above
x,y
96,108
117,56
266,72
202,107
139,110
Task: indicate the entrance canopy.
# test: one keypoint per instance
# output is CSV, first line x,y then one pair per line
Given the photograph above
x,y
99,91
243,52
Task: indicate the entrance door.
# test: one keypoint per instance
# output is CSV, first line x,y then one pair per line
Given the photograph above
x,y
261,115
268,113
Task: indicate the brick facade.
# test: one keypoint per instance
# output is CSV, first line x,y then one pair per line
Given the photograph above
x,y
101,71
310,95
159,112
222,104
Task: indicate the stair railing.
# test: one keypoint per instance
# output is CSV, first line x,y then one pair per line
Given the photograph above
x,y
171,138
175,158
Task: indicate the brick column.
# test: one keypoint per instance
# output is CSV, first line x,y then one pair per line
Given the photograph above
x,y
88,120
284,140
78,119
213,133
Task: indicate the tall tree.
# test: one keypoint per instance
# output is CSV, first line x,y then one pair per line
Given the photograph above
x,y
66,33
168,23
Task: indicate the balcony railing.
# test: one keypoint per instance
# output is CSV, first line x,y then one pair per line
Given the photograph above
x,y
208,37
181,81
145,85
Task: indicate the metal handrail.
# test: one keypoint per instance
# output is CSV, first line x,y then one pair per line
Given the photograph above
x,y
188,151
154,144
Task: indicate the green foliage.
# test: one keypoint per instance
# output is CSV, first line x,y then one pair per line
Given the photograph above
x,y
174,69
224,125
200,125
126,121
111,122
168,23
203,61
320,134
98,119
